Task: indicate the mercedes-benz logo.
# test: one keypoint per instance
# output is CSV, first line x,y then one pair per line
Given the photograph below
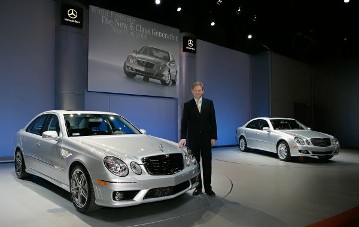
x,y
72,13
190,43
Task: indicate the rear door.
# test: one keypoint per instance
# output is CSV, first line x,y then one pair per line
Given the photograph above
x,y
31,139
251,134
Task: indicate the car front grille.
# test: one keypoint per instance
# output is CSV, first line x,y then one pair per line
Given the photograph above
x,y
166,164
321,142
145,64
166,191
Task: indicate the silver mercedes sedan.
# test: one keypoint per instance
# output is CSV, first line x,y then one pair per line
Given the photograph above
x,y
287,137
151,62
102,159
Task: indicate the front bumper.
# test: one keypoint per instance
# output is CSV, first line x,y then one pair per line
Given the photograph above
x,y
147,72
296,150
145,189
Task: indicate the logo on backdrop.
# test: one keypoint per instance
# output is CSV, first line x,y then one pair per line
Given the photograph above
x,y
189,44
71,15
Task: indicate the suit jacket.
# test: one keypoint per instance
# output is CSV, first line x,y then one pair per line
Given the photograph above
x,y
196,125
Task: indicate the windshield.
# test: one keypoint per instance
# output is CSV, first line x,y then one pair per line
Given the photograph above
x,y
287,124
154,52
97,124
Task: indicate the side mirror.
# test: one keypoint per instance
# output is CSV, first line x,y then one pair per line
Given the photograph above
x,y
143,131
50,135
266,129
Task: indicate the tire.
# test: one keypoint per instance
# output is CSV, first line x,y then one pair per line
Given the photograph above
x,y
283,151
242,143
127,73
174,81
325,157
82,192
20,166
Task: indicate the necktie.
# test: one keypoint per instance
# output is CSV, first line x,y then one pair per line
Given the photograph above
x,y
199,105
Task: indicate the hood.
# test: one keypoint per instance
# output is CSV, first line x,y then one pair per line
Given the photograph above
x,y
306,133
152,59
135,146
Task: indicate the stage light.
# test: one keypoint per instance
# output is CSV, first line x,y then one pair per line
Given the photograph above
x,y
179,9
346,1
249,36
219,2
158,2
238,10
254,18
213,23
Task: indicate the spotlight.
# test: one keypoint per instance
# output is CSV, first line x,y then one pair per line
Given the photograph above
x,y
238,10
158,2
254,18
213,23
219,2
179,9
249,36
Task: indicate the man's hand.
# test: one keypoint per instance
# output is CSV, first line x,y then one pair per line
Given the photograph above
x,y
213,142
182,143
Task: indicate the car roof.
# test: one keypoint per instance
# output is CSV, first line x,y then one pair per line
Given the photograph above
x,y
272,118
78,112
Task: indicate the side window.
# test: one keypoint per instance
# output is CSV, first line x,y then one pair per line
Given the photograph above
x,y
36,126
264,123
53,124
254,124
120,126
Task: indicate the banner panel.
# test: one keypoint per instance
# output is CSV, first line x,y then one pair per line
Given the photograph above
x,y
129,55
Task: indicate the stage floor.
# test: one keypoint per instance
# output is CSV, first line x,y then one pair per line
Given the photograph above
x,y
253,189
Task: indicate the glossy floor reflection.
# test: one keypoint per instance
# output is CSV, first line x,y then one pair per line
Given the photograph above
x,y
253,189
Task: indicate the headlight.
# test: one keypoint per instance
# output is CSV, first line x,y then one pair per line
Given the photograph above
x,y
131,59
116,166
136,168
190,158
299,140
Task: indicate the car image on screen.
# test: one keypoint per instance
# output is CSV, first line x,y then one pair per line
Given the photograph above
x,y
102,159
151,62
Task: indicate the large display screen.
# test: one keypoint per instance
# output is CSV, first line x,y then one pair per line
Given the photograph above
x,y
129,55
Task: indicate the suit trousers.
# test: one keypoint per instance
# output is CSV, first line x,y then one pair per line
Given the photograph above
x,y
202,151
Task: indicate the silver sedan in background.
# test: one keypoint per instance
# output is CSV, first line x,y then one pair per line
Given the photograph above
x,y
103,159
287,137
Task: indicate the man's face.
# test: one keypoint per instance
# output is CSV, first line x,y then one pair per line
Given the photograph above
x,y
197,92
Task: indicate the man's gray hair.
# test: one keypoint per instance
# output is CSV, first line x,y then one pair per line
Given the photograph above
x,y
198,84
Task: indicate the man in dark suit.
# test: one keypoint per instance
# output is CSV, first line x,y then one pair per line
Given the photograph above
x,y
199,133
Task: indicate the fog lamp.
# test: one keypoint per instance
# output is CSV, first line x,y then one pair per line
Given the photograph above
x,y
118,196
